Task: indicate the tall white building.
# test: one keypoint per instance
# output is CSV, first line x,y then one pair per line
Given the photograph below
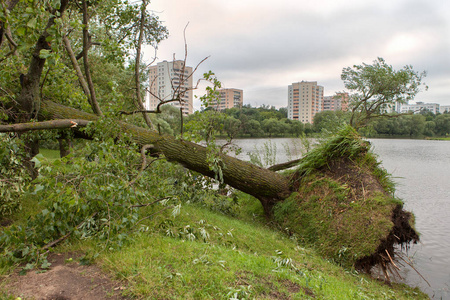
x,y
305,99
167,80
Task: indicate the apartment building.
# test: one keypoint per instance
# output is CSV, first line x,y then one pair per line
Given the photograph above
x,y
336,102
170,80
228,98
419,107
305,99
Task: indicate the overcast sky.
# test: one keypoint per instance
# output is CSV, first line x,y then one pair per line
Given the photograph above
x,y
263,46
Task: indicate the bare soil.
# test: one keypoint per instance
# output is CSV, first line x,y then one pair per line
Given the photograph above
x,y
65,280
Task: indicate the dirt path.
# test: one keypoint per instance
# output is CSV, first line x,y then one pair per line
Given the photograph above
x,y
64,280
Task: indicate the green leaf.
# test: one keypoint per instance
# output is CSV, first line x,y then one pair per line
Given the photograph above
x,y
37,162
21,31
32,23
45,264
38,188
44,54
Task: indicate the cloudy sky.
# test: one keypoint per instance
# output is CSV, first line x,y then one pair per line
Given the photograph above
x,y
262,46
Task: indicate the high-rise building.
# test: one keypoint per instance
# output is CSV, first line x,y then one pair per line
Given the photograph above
x,y
329,103
305,99
228,98
169,80
336,102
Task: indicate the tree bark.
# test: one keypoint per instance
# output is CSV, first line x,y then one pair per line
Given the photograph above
x,y
64,146
86,45
267,186
137,73
29,94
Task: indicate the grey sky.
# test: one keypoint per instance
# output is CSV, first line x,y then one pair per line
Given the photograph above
x,y
263,46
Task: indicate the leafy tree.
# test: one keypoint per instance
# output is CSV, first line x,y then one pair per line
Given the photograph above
x,y
232,126
416,124
442,125
253,128
271,126
376,88
430,127
329,120
296,128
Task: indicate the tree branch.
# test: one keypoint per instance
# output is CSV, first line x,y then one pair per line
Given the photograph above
x,y
284,166
137,74
86,45
53,124
77,68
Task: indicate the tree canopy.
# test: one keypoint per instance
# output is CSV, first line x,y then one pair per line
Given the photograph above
x,y
377,88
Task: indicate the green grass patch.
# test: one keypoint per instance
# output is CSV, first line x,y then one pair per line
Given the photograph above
x,y
238,259
49,154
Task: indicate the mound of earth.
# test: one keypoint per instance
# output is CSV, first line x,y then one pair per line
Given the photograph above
x,y
65,280
344,205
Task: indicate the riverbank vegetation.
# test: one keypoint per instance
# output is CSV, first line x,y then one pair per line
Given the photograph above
x,y
193,243
128,176
269,122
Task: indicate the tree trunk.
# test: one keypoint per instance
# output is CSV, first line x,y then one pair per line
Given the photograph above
x,y
64,146
267,186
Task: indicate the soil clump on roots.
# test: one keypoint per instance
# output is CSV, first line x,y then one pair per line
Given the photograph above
x,y
344,206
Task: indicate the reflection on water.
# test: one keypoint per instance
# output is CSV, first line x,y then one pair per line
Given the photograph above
x,y
421,170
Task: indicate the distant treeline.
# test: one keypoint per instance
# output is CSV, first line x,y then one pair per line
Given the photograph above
x,y
267,121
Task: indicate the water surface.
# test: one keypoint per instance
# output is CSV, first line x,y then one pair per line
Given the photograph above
x,y
421,170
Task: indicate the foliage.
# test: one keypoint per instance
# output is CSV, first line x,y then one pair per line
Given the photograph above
x,y
96,194
13,176
249,121
330,121
113,30
376,88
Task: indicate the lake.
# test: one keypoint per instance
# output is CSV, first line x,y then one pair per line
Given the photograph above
x,y
421,170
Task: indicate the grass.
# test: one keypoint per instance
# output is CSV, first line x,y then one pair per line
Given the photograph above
x,y
49,154
239,258
439,138
202,254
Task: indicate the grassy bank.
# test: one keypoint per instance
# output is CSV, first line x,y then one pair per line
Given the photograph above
x,y
227,257
215,248
206,255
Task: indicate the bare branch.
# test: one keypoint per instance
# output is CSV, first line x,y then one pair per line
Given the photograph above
x,y
53,124
284,166
77,68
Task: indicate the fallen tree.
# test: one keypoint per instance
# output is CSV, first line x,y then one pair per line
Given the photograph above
x,y
335,198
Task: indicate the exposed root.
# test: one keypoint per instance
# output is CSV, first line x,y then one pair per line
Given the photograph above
x,y
401,234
